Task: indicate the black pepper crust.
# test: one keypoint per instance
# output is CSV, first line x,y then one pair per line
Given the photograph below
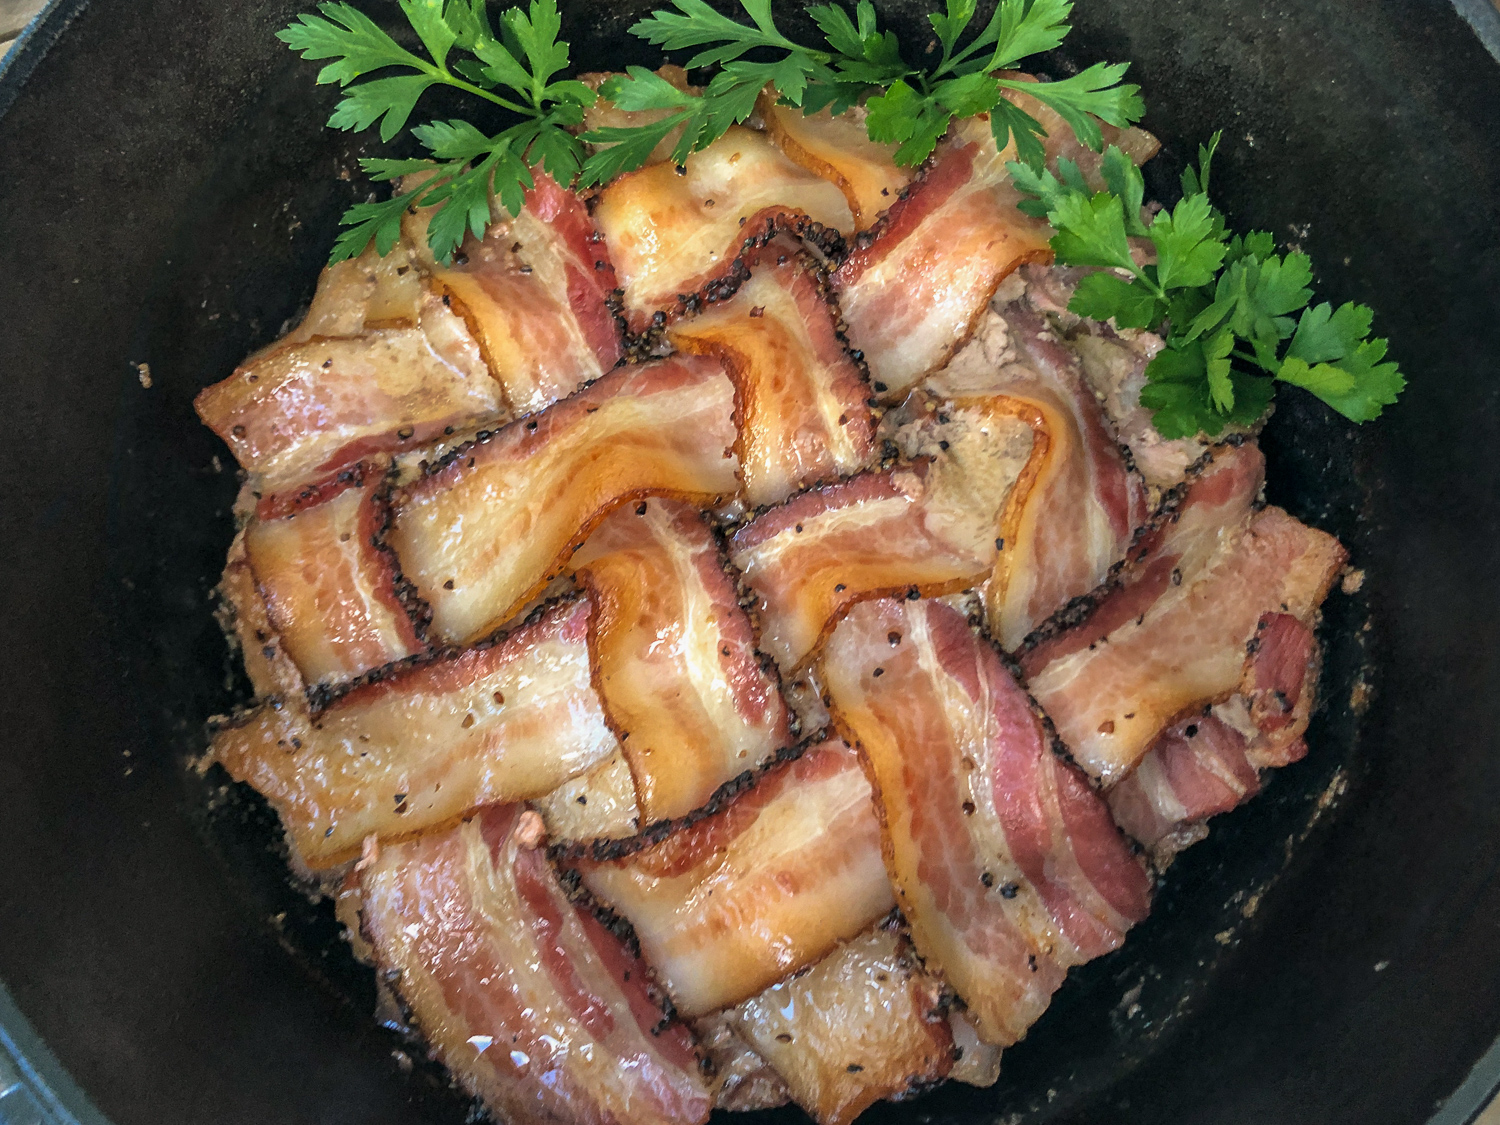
x,y
416,607
1080,609
724,285
620,926
568,853
323,696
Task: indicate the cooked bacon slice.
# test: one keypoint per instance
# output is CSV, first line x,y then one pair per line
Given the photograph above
x,y
770,881
329,589
301,410
912,293
1006,864
840,150
427,742
535,1006
363,294
489,527
242,615
862,1024
1209,761
533,291
803,412
931,527
599,804
1171,634
1083,503
1115,369
1196,768
677,240
676,660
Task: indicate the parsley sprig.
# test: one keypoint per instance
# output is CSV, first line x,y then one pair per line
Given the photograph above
x,y
516,69
909,106
1223,302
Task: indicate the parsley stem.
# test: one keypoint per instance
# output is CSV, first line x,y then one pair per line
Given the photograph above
x,y
445,76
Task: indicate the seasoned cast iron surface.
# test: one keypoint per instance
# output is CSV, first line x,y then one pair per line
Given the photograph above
x,y
167,194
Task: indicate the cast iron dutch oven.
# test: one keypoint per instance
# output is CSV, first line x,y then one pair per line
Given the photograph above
x,y
167,194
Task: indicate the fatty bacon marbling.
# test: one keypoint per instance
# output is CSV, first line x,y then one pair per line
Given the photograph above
x,y
533,290
425,742
305,408
911,291
768,882
531,1002
676,660
1210,761
1005,863
804,417
330,591
1171,634
685,235
485,530
839,149
931,526
1082,502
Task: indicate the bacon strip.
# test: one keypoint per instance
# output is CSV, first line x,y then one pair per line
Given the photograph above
x,y
676,659
1006,865
301,410
839,149
533,292
429,741
1084,504
912,293
1196,768
599,804
860,1025
769,882
804,418
483,533
1171,635
536,1007
1208,762
371,292
680,239
930,527
329,590
242,612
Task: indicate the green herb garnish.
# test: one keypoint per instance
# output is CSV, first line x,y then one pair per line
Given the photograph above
x,y
909,106
1223,303
516,70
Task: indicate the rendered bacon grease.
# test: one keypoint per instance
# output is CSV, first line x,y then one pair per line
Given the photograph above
x,y
718,636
